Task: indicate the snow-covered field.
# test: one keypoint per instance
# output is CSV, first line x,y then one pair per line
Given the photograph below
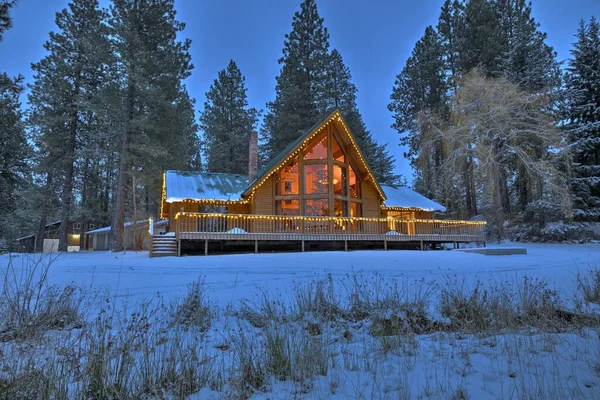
x,y
233,277
346,358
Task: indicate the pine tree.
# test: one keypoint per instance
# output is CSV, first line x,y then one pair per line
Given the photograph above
x,y
151,65
527,59
65,82
300,91
583,128
341,93
421,86
227,122
5,19
481,40
13,150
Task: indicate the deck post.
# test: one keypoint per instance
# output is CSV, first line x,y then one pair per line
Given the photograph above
x,y
256,246
179,248
422,247
345,245
385,244
205,247
303,245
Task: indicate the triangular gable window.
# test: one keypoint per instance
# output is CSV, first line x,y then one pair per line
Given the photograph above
x,y
321,182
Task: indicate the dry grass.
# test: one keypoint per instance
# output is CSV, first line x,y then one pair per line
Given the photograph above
x,y
195,310
326,329
31,306
589,285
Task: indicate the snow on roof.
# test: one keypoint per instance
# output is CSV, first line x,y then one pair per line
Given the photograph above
x,y
126,225
182,185
35,234
404,197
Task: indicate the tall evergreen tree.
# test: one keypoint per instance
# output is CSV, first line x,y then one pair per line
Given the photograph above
x,y
341,93
481,39
151,64
65,82
583,113
13,150
227,122
5,19
500,38
301,85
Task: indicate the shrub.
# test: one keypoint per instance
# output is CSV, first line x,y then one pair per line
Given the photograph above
x,y
31,305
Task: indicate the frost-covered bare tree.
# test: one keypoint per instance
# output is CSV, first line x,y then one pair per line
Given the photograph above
x,y
504,132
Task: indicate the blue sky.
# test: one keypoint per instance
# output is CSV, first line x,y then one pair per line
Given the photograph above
x,y
375,38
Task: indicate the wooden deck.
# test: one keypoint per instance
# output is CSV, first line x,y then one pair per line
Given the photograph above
x,y
261,228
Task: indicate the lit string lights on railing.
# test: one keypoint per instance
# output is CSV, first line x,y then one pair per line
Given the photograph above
x,y
334,219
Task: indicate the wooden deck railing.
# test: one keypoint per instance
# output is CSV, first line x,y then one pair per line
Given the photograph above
x,y
243,226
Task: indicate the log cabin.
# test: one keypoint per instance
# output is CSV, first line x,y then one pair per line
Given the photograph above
x,y
318,192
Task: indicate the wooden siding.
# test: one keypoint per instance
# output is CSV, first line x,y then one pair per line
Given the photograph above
x,y
424,214
371,203
263,202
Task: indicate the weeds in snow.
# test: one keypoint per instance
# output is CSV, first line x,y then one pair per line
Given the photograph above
x,y
590,285
329,333
31,306
195,309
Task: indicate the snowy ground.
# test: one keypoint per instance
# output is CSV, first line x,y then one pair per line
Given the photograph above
x,y
359,364
233,277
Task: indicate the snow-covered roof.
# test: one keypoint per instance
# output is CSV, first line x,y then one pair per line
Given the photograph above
x,y
404,197
181,185
35,234
127,224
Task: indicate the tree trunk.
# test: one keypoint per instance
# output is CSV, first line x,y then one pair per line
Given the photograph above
x,y
39,239
67,193
119,214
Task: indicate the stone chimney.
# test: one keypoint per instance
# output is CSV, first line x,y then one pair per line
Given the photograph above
x,y
253,156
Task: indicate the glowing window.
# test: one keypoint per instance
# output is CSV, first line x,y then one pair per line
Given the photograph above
x,y
289,180
316,179
317,150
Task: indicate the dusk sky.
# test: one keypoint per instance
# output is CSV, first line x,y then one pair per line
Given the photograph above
x,y
374,37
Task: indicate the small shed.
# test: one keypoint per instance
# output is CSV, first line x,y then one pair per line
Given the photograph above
x,y
135,235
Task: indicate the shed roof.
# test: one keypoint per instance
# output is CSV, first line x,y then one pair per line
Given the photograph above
x,y
183,185
407,198
107,229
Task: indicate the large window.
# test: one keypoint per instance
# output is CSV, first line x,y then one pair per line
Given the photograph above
x,y
339,180
316,179
288,207
289,180
320,182
317,150
316,207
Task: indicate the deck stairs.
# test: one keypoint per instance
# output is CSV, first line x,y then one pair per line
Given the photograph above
x,y
164,246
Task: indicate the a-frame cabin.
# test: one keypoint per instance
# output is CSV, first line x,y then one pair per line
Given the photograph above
x,y
319,190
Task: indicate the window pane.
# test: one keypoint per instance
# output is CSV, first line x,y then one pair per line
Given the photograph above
x,y
354,184
339,180
317,149
338,153
354,210
316,207
340,208
288,207
315,179
289,182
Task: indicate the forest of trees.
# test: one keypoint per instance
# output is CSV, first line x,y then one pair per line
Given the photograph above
x,y
496,128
